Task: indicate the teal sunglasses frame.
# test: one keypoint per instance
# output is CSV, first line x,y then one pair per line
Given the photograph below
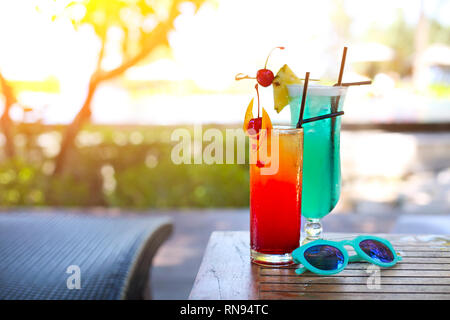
x,y
298,254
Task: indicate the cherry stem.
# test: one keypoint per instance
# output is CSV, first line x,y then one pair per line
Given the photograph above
x,y
257,94
241,76
281,48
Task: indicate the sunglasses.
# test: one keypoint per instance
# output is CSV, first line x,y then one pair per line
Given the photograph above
x,y
326,257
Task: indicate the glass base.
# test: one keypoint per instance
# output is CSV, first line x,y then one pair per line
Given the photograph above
x,y
272,260
313,230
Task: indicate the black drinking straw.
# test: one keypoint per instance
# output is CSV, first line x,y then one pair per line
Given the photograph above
x,y
302,106
325,116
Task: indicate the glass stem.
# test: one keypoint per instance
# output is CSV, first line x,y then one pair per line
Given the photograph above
x,y
313,230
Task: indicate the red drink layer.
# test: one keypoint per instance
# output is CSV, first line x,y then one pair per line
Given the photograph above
x,y
275,199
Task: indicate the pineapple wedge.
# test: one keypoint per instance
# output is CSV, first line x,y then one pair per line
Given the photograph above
x,y
285,76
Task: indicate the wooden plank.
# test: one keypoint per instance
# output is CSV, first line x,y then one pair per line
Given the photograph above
x,y
403,266
347,287
355,280
430,248
400,266
362,272
352,296
419,244
424,254
414,240
428,260
226,271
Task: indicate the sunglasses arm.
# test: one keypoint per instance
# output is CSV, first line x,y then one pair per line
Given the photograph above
x,y
300,271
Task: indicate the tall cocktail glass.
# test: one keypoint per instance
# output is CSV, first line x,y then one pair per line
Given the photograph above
x,y
275,198
321,153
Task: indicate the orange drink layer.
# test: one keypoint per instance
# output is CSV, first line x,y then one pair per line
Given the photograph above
x,y
275,198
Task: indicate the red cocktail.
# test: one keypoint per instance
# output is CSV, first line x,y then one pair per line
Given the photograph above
x,y
275,198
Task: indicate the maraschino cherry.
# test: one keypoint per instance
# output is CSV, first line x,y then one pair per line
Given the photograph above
x,y
263,76
255,124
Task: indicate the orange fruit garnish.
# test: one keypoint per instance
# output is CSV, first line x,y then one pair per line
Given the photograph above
x,y
252,126
248,115
266,123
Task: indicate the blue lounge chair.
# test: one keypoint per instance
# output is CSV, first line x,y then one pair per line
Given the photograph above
x,y
69,256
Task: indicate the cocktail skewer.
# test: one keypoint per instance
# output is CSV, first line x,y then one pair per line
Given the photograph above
x,y
359,83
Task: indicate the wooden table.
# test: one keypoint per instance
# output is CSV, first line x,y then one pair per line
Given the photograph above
x,y
226,273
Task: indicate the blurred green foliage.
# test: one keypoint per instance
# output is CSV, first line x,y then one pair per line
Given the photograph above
x,y
116,166
440,90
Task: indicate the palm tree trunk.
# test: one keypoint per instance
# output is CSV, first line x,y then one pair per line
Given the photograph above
x,y
7,125
72,130
5,121
157,37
